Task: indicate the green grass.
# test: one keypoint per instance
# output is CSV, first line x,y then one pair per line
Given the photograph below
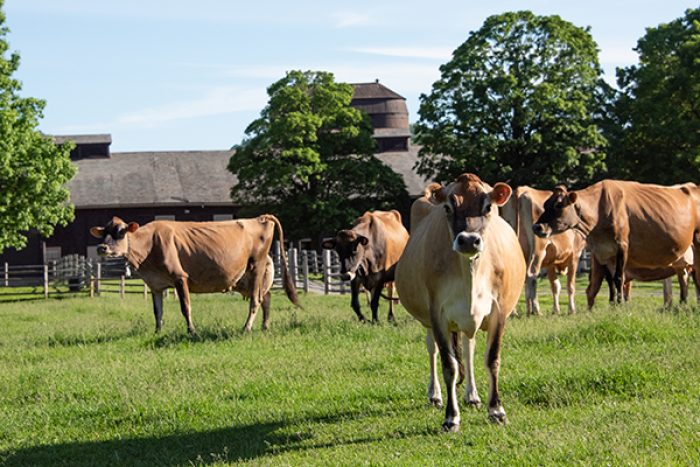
x,y
87,382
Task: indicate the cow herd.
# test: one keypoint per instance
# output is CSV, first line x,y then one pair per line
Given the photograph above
x,y
471,249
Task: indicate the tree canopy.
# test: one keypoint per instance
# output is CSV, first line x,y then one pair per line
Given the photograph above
x,y
309,158
654,126
516,102
33,170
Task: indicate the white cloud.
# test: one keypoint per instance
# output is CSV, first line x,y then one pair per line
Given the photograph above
x,y
347,19
217,101
436,53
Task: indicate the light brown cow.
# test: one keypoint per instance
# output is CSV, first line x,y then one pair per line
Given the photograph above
x,y
628,226
462,270
368,254
559,254
200,257
682,269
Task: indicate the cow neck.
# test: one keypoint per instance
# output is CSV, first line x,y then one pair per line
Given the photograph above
x,y
587,210
138,244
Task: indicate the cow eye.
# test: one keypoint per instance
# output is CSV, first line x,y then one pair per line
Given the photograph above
x,y
485,206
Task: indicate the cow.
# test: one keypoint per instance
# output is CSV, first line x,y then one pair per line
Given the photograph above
x,y
559,254
462,270
200,257
368,254
628,226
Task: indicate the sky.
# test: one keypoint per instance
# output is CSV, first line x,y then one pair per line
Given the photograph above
x,y
191,75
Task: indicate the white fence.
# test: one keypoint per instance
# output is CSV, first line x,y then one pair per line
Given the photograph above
x,y
310,270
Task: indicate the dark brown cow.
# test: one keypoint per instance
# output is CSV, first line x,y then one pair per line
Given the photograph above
x,y
628,225
560,254
200,257
368,254
462,270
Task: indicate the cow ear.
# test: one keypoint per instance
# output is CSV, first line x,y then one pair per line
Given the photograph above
x,y
501,193
572,197
362,240
97,232
439,194
328,243
132,227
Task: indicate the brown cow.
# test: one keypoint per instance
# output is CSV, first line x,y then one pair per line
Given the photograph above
x,y
368,254
559,254
462,270
200,257
628,225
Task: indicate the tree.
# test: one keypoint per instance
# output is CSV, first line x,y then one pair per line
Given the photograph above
x,y
656,132
33,170
516,102
309,158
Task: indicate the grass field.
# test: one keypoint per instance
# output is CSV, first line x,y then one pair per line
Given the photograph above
x,y
86,382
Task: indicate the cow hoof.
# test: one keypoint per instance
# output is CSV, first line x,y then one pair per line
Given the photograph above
x,y
434,402
498,416
191,332
450,427
476,403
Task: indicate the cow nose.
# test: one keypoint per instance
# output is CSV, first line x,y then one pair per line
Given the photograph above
x,y
101,249
468,243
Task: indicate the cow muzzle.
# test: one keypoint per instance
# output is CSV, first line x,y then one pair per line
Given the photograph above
x,y
542,230
468,243
102,250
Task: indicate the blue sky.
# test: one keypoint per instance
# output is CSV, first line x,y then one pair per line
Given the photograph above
x,y
188,75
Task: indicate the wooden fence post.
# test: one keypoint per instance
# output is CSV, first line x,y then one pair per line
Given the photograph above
x,y
122,286
326,271
305,269
145,291
46,281
7,275
292,258
92,286
99,277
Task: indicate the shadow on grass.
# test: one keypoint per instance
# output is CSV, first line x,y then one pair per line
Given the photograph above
x,y
242,443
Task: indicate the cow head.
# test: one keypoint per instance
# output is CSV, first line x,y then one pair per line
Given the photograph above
x,y
350,246
468,206
560,213
114,236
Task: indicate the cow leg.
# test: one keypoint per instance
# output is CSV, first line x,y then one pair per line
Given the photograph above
x,y
619,276
355,299
434,391
390,294
374,304
532,304
683,279
571,285
157,297
626,290
493,364
556,288
471,395
668,292
253,307
449,371
266,311
183,293
598,272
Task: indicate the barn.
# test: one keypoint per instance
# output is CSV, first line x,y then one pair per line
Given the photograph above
x,y
186,185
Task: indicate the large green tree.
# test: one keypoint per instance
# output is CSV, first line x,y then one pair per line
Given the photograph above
x,y
516,102
655,130
33,170
309,158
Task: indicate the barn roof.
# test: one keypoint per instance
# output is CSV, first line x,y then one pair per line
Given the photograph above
x,y
374,90
84,139
132,179
402,163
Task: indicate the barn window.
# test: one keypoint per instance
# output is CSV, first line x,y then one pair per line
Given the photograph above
x,y
52,253
165,217
222,217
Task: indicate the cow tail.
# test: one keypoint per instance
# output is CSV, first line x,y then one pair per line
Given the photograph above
x,y
457,350
287,282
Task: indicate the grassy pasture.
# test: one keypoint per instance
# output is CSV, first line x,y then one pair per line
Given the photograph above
x,y
86,382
